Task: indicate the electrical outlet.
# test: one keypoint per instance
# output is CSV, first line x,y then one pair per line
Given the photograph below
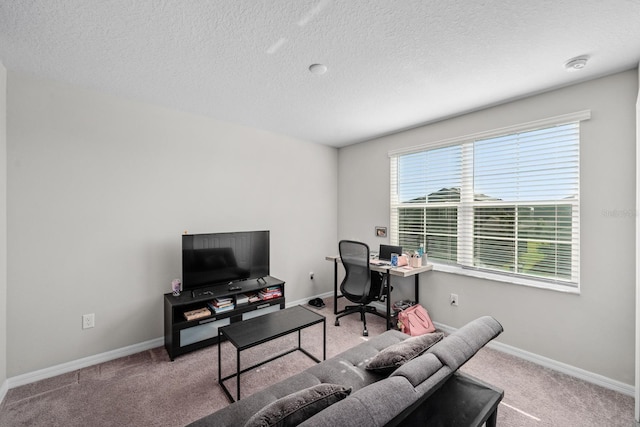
x,y
88,321
453,299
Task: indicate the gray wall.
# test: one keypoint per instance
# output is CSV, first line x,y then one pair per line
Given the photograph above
x,y
3,225
637,394
594,330
100,190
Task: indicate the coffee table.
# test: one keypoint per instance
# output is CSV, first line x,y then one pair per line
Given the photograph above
x,y
462,401
259,330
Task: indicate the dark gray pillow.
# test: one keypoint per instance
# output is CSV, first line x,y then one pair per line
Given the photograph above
x,y
293,409
398,354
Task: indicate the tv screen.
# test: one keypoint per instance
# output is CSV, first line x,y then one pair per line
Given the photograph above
x,y
223,258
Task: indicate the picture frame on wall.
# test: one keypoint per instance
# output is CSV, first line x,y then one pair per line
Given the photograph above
x,y
381,231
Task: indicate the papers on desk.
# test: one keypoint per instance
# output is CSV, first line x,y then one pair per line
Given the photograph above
x,y
377,262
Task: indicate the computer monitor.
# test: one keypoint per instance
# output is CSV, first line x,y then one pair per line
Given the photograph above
x,y
387,250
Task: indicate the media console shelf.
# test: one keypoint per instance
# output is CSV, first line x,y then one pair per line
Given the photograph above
x,y
182,336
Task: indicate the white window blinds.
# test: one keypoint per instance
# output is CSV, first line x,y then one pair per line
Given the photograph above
x,y
508,204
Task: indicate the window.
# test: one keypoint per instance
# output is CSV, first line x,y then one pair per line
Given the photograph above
x,y
505,202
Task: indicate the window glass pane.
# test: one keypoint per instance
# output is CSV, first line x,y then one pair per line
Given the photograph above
x,y
507,204
442,248
548,222
411,228
442,221
411,242
411,220
535,165
494,254
436,228
442,233
495,221
426,176
544,259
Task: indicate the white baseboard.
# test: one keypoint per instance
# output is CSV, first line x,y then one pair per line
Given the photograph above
x,y
306,300
74,365
564,368
85,362
4,388
573,371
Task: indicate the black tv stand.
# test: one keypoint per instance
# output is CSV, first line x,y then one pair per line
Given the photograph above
x,y
182,336
204,291
200,292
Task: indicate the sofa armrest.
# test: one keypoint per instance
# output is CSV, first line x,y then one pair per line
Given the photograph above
x,y
462,344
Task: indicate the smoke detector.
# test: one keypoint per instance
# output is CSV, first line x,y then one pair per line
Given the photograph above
x,y
576,64
318,68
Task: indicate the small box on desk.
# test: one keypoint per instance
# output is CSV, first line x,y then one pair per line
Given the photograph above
x,y
415,261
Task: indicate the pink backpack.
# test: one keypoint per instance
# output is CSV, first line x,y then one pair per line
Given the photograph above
x,y
415,321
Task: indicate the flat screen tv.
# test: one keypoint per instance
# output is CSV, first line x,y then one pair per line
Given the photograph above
x,y
224,258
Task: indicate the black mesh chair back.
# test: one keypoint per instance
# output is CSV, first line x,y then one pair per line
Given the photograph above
x,y
357,280
358,285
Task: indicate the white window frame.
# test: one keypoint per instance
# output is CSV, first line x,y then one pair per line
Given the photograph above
x,y
465,228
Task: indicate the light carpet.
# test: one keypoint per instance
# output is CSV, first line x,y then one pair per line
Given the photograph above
x,y
147,389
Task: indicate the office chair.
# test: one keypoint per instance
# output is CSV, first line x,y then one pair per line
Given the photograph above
x,y
357,285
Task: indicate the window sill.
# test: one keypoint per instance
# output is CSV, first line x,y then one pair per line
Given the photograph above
x,y
506,279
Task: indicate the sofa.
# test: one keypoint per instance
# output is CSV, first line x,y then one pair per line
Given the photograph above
x,y
376,383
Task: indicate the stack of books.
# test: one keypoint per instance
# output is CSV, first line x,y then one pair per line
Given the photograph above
x,y
220,305
242,299
270,292
253,297
197,314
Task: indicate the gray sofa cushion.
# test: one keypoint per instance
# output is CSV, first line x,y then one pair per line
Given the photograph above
x,y
372,406
238,413
398,354
462,344
291,410
419,369
346,368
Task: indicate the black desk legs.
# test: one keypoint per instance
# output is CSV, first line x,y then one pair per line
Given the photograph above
x,y
388,293
388,317
416,291
335,286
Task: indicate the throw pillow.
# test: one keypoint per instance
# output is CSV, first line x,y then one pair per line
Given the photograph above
x,y
398,354
293,409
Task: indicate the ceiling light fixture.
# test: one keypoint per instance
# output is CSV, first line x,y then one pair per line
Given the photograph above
x,y
576,64
318,68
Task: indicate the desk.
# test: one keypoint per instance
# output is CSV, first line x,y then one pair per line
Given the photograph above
x,y
388,271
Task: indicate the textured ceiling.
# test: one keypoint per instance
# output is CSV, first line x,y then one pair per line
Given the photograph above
x,y
391,65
